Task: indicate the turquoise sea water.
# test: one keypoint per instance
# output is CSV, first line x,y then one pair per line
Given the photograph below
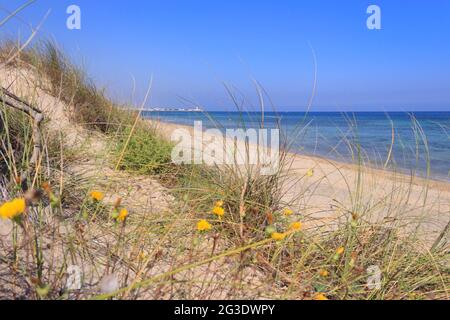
x,y
417,143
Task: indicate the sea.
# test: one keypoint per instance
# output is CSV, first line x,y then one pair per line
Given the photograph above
x,y
413,143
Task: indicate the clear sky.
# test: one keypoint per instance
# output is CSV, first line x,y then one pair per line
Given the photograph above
x,y
192,46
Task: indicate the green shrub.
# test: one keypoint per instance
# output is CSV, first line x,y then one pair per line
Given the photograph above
x,y
143,152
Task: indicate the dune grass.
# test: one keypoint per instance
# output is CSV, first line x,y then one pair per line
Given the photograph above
x,y
143,151
66,230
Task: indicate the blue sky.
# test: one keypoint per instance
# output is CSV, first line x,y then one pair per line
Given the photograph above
x,y
191,47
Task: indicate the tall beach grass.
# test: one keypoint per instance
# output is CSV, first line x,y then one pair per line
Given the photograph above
x,y
254,250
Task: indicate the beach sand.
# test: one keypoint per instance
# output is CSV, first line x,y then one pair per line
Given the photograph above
x,y
324,192
332,193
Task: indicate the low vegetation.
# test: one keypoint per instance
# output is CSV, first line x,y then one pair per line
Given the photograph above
x,y
225,233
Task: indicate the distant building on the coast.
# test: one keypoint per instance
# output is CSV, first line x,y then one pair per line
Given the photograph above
x,y
159,109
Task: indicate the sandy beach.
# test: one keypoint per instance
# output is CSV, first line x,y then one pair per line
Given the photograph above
x,y
325,191
252,156
172,225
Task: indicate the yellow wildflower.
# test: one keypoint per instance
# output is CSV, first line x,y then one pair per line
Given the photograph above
x,y
320,296
323,273
97,195
340,251
6,210
288,212
219,211
310,173
19,205
295,226
203,225
123,214
13,209
278,236
219,203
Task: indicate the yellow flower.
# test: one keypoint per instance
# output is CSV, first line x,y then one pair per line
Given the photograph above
x,y
122,215
340,251
320,296
310,173
19,205
278,236
219,211
288,212
323,273
203,225
296,226
6,210
97,195
219,203
12,209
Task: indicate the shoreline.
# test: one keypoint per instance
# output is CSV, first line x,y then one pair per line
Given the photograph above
x,y
336,190
168,127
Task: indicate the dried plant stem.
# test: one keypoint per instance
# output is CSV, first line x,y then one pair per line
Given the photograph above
x,y
11,100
